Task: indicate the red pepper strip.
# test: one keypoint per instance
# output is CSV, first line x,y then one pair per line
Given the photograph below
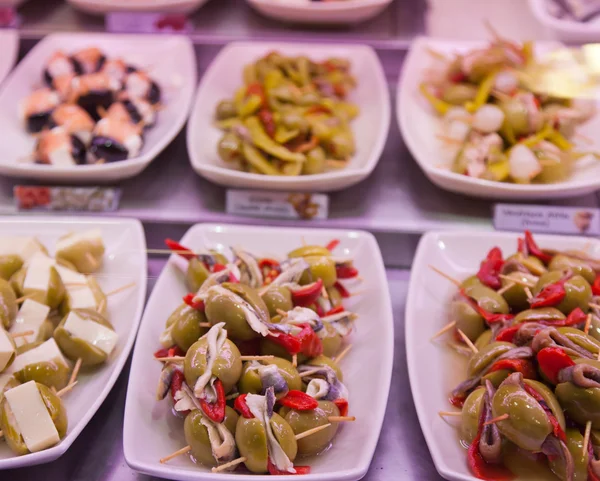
x,y
477,464
176,246
169,352
596,286
318,109
457,77
335,310
577,316
311,345
552,360
489,271
556,429
534,250
270,263
342,290
457,401
176,383
551,295
346,272
215,411
342,405
508,334
319,310
189,300
521,246
299,401
241,406
218,267
256,89
523,366
290,343
489,317
276,472
307,295
266,118
333,244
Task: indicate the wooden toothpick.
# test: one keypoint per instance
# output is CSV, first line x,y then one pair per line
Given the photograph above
x,y
312,431
586,437
24,298
171,359
341,419
295,360
454,281
342,354
256,358
516,281
443,330
507,287
528,293
588,323
75,371
496,420
223,467
179,452
22,334
66,389
449,413
122,288
467,341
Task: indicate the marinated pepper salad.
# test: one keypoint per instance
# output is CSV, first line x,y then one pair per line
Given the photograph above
x,y
92,109
532,393
52,323
290,117
493,126
249,356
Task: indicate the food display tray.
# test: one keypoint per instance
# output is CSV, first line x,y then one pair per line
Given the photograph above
x,y
97,455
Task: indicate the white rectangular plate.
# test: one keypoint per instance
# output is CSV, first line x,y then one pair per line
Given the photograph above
x,y
9,48
124,262
107,6
307,11
433,368
152,432
224,77
170,60
419,126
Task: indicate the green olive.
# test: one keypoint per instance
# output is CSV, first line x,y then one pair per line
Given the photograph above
x,y
225,110
55,408
527,424
230,147
278,298
328,362
582,339
227,366
549,398
196,274
580,457
459,94
485,339
320,267
196,435
99,297
578,291
51,297
471,412
341,145
516,296
595,328
76,348
582,405
541,314
487,356
488,299
185,322
221,308
301,421
48,373
295,121
85,255
472,281
516,116
9,265
251,440
496,377
467,319
330,339
561,262
309,251
8,304
10,382
250,381
315,162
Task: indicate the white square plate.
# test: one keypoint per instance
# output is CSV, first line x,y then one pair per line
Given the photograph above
x,y
124,262
152,432
307,11
419,126
9,48
170,60
224,77
433,369
101,7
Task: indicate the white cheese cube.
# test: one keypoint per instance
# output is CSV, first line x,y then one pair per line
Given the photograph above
x,y
80,297
46,352
4,378
93,236
24,247
38,272
31,316
7,349
96,334
32,417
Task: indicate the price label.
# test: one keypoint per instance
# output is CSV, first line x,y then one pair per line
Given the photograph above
x,y
547,219
90,199
146,22
277,205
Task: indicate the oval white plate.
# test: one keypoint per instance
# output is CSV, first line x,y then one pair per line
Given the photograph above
x,y
169,59
419,126
565,29
124,262
434,369
224,77
305,11
9,48
152,432
101,7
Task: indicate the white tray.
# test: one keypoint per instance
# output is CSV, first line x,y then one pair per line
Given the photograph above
x,y
169,59
9,48
102,7
151,431
224,77
124,262
565,29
